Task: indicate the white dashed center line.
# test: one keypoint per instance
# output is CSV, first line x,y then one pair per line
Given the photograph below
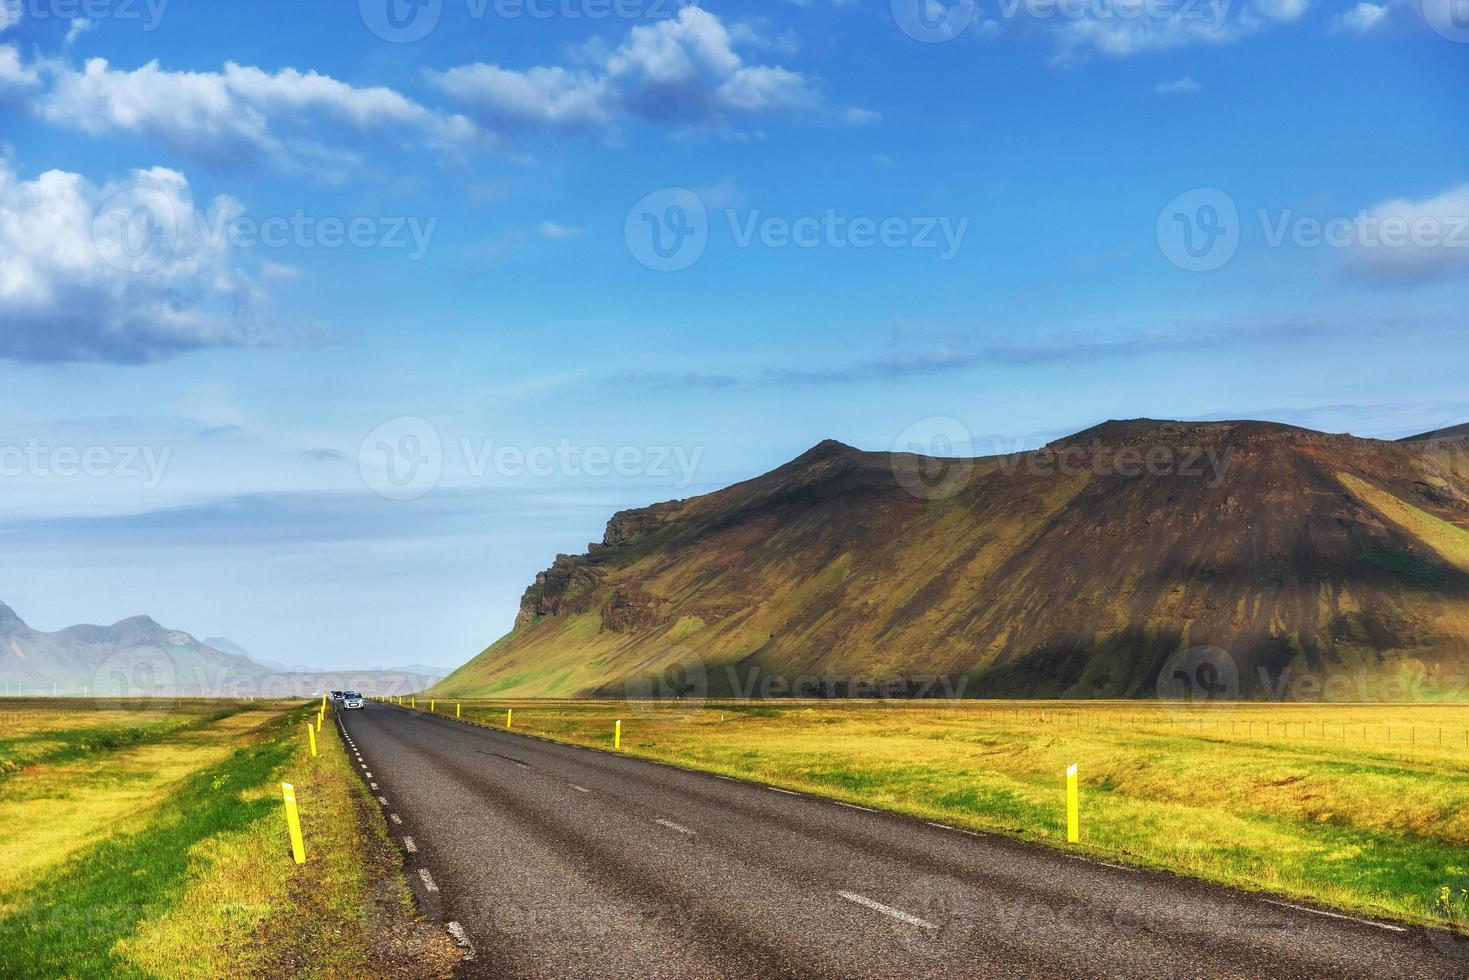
x,y
395,818
383,800
409,846
887,910
373,785
580,789
673,826
428,880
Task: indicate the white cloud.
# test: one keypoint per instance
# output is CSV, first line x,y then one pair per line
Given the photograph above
x,y
683,71
555,231
115,273
10,11
1179,86
1414,241
14,74
1210,22
539,96
243,113
1369,18
79,26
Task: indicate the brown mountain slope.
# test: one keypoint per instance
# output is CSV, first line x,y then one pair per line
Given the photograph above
x,y
1076,570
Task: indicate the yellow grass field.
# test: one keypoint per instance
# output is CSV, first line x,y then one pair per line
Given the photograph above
x,y
1364,808
149,841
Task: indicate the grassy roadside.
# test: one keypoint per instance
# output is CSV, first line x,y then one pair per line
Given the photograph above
x,y
35,734
199,881
1360,808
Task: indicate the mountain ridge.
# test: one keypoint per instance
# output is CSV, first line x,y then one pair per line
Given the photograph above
x,y
138,657
1079,569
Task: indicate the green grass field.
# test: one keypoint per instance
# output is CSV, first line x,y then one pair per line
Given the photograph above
x,y
152,843
1361,808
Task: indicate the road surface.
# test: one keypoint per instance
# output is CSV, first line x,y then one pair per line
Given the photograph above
x,y
547,860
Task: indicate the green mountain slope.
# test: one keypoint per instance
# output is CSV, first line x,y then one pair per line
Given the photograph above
x,y
1083,569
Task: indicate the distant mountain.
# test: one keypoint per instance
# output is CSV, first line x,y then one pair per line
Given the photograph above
x,y
231,647
137,657
1099,566
1452,432
134,657
416,670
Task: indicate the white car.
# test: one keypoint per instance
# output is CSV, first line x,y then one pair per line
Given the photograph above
x,y
351,700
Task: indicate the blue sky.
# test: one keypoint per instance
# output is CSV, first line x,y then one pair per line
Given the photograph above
x,y
993,222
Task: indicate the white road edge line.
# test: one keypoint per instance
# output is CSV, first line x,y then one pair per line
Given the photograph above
x,y
854,806
408,845
787,792
580,789
373,785
1335,915
383,800
941,826
428,880
673,826
462,938
396,819
888,910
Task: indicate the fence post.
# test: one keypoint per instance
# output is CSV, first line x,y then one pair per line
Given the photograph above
x,y
1073,807
293,823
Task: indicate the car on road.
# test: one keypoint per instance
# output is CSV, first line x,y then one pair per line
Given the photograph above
x,y
352,700
336,696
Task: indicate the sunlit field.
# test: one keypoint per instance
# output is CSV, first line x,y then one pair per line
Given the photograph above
x,y
1362,808
147,839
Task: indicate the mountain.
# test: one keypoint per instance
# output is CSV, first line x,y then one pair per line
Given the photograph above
x,y
1098,566
134,657
226,645
1452,432
137,657
423,674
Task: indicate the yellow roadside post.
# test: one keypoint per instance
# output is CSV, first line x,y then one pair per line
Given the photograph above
x,y
293,822
1073,808
311,735
456,709
432,705
617,736
413,702
509,716
320,716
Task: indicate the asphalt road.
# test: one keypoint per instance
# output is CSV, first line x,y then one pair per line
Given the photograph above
x,y
546,860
